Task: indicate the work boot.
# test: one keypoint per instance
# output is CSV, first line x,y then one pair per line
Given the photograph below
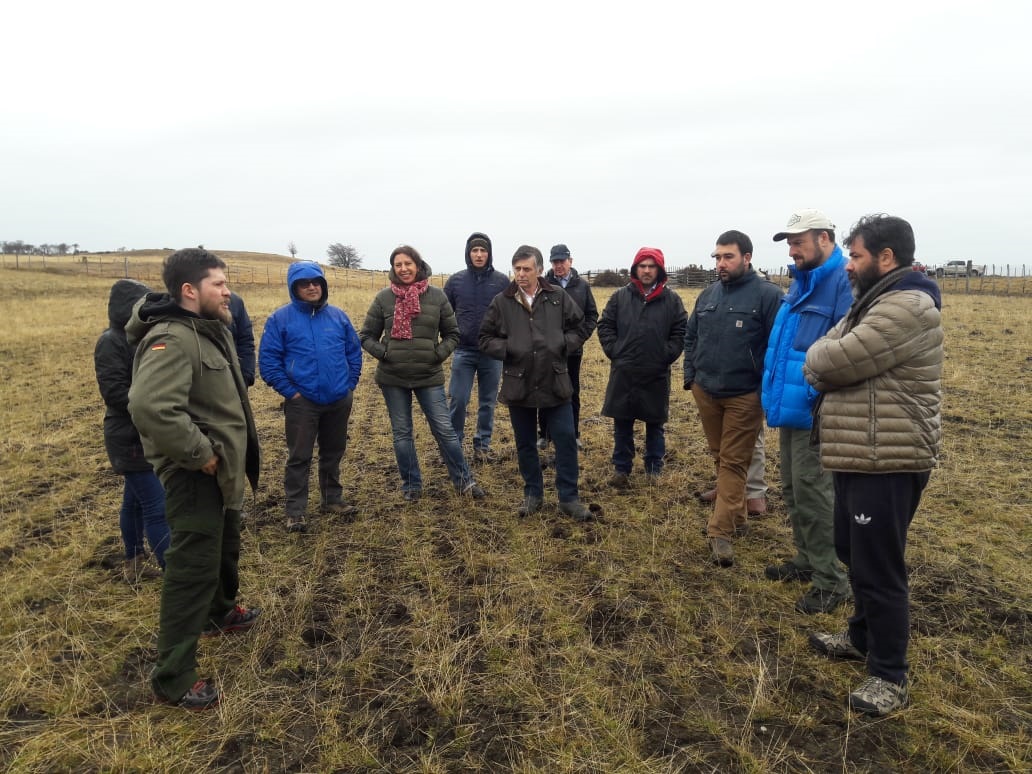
x,y
576,510
836,646
343,510
879,697
817,600
756,506
723,553
709,496
787,572
531,504
620,480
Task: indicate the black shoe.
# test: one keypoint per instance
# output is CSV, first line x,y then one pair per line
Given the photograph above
x,y
203,695
411,495
237,619
820,601
530,505
297,523
343,510
576,510
787,572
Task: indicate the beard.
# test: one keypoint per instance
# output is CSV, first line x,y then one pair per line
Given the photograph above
x,y
216,311
864,280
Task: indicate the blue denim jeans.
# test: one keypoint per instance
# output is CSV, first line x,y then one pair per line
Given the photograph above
x,y
559,420
623,446
467,363
435,409
143,515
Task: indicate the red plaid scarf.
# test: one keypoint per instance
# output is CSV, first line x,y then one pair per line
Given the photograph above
x,y
406,307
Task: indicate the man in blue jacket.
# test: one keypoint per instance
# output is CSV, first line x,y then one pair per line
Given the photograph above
x,y
311,355
470,293
819,296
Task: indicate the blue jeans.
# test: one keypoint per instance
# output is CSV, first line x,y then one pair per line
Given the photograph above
x,y
143,514
467,363
623,446
559,420
435,409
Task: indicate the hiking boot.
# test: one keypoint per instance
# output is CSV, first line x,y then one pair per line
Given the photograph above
x,y
237,619
741,530
411,495
652,477
531,504
723,553
203,695
709,496
137,569
879,697
482,456
836,646
472,489
619,480
576,510
756,506
787,572
343,510
817,600
297,523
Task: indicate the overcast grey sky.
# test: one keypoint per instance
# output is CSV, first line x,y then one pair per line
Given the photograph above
x,y
607,126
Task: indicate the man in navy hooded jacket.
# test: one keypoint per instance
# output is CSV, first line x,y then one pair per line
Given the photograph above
x,y
310,354
819,296
470,293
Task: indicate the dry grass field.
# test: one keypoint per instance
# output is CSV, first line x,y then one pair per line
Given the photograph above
x,y
447,636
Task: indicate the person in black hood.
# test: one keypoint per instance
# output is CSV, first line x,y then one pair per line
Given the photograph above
x,y
143,501
470,293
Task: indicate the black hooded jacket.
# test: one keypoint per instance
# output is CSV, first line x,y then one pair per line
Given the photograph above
x,y
470,293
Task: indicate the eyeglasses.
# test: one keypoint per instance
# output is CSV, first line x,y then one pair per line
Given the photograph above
x,y
305,283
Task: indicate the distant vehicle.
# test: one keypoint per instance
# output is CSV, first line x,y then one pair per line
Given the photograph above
x,y
918,266
960,269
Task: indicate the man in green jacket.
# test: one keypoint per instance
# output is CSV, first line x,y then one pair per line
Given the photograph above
x,y
189,401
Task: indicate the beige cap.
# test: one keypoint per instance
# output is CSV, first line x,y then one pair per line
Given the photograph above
x,y
803,221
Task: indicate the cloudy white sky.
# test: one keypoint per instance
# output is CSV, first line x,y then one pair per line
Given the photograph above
x,y
607,126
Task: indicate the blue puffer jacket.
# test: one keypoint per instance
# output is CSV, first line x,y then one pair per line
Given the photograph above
x,y
816,300
470,293
312,350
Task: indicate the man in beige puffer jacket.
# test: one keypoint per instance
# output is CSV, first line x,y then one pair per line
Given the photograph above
x,y
879,371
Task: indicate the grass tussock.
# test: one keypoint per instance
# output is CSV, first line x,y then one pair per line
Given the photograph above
x,y
450,636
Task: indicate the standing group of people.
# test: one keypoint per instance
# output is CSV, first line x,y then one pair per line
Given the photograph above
x,y
846,364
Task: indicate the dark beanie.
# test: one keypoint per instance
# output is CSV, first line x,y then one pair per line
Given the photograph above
x,y
479,242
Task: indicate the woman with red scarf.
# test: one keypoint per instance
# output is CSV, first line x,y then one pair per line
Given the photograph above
x,y
411,330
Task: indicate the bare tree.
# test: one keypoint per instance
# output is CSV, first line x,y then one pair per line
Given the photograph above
x,y
292,249
344,256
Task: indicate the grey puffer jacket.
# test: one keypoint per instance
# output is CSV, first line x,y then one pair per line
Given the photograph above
x,y
414,362
880,369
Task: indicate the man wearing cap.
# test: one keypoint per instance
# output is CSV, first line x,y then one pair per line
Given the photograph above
x,y
642,334
817,299
470,292
880,374
565,276
723,367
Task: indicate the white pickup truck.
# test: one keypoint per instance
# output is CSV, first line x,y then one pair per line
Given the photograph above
x,y
960,269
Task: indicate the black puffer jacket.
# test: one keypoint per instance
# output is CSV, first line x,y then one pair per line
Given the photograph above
x,y
579,291
113,361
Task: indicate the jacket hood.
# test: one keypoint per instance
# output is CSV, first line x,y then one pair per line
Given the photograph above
x,y
655,254
150,309
490,253
124,294
306,270
915,280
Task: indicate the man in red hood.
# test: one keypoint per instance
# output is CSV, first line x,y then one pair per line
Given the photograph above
x,y
642,333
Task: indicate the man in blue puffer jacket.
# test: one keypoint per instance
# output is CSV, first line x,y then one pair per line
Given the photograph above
x,y
819,296
310,354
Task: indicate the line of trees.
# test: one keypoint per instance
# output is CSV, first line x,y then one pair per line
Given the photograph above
x,y
18,247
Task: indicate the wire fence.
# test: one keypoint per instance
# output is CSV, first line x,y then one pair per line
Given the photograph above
x,y
1002,280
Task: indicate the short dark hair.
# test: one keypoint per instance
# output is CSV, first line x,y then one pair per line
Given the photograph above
x,y
880,231
527,251
188,266
736,238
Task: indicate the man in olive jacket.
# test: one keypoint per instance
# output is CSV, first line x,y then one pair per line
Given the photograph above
x,y
532,327
642,333
189,402
879,371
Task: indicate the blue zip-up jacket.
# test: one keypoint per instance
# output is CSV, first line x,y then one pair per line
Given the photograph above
x,y
816,300
312,350
471,291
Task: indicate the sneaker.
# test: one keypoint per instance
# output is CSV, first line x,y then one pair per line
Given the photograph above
x,y
482,456
580,446
472,489
817,600
879,697
836,646
542,444
756,506
620,480
576,510
341,509
530,505
237,619
787,572
723,553
203,695
297,523
709,496
411,495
